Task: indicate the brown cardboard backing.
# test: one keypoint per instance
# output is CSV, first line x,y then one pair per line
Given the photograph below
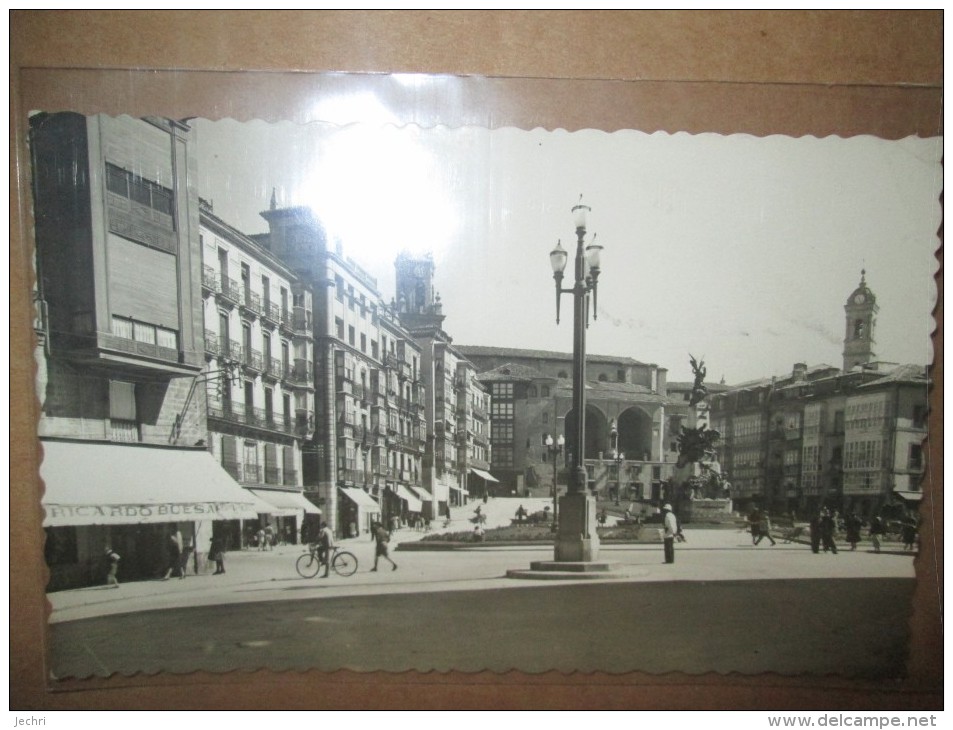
x,y
759,72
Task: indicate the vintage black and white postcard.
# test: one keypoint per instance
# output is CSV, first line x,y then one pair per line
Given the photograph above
x,y
385,397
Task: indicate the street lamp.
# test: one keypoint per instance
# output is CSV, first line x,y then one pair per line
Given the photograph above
x,y
619,458
577,539
555,448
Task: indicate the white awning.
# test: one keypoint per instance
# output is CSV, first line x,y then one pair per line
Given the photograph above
x,y
285,504
113,484
424,495
484,475
361,498
909,496
413,504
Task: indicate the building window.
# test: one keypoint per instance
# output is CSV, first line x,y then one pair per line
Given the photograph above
x,y
339,327
150,334
603,377
916,457
138,189
350,335
123,414
545,391
363,342
374,352
620,376
919,416
531,391
563,375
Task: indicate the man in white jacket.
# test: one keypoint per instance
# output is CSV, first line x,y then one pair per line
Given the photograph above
x,y
670,526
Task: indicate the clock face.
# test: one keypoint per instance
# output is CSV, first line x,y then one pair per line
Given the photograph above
x,y
860,299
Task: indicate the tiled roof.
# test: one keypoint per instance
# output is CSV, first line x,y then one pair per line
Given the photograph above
x,y
619,391
512,371
902,374
512,352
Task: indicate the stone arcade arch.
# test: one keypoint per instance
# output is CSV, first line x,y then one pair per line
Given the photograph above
x,y
597,431
635,434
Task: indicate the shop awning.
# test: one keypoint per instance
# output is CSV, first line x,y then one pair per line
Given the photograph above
x,y
908,495
285,504
422,493
112,484
361,498
413,504
484,475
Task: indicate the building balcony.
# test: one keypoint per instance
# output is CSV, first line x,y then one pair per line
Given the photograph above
x,y
251,303
287,320
271,313
214,346
300,374
273,368
302,323
391,361
258,418
233,352
210,279
230,291
479,413
252,360
351,475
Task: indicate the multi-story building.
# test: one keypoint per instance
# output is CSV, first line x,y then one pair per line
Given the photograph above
x,y
848,439
628,411
457,444
121,348
260,374
364,460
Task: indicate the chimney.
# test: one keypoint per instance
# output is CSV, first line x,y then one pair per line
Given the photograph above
x,y
800,371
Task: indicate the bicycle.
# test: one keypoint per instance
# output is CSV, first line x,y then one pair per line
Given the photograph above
x,y
342,562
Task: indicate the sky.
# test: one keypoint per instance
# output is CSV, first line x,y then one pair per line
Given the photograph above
x,y
732,248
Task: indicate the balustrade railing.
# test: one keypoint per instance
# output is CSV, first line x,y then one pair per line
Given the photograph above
x,y
210,278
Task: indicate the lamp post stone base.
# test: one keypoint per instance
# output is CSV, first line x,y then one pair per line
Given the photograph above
x,y
576,538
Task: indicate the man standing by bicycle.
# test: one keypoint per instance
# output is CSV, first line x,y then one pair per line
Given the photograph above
x,y
325,546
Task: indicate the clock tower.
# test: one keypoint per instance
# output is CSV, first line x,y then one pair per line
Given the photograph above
x,y
860,310
417,302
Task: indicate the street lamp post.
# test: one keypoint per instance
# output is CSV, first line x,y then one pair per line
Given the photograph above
x,y
555,448
576,538
619,458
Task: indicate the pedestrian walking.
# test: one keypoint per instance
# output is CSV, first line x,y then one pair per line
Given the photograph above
x,y
815,528
754,523
381,539
828,526
216,552
325,546
877,531
260,537
174,550
670,525
852,526
112,561
764,529
908,533
184,559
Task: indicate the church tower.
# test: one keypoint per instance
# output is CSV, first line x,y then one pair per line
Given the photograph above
x,y
417,302
860,310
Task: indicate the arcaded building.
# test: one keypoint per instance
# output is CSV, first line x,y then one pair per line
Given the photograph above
x,y
631,420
